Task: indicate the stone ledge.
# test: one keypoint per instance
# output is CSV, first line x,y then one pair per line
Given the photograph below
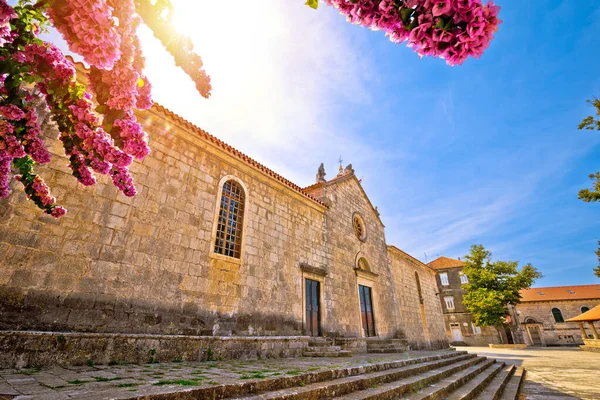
x,y
20,349
508,346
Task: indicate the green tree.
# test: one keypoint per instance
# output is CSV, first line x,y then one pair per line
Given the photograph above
x,y
592,123
493,286
587,195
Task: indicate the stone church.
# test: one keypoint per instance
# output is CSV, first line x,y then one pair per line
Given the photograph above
x,y
214,244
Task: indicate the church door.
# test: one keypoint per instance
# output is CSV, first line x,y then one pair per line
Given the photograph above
x,y
313,312
366,310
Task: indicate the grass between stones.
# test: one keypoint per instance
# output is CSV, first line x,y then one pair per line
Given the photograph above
x,y
77,382
180,382
103,379
124,385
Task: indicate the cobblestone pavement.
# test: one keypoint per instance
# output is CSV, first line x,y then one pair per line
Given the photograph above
x,y
552,373
128,381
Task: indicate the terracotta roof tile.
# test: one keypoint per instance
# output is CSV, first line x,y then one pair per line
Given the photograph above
x,y
561,293
445,262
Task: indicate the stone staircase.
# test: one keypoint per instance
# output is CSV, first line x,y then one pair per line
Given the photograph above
x,y
386,345
323,347
451,376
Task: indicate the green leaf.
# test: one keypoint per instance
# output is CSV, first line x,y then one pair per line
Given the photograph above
x,y
440,23
405,14
448,25
312,3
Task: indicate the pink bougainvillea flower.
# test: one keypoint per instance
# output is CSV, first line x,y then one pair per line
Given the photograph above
x,y
441,7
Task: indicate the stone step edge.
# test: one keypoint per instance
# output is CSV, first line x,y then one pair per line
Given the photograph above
x,y
322,348
457,380
513,386
477,384
496,386
357,383
413,383
250,387
341,353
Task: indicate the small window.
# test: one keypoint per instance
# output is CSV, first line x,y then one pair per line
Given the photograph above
x,y
444,279
449,302
231,217
476,329
558,317
463,278
419,292
584,309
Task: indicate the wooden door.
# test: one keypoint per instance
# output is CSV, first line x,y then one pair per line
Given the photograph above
x,y
313,309
366,310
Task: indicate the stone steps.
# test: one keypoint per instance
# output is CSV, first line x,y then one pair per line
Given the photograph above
x,y
323,347
477,384
425,385
360,381
448,375
386,345
494,389
511,391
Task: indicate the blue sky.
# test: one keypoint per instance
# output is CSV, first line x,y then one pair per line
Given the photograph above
x,y
484,153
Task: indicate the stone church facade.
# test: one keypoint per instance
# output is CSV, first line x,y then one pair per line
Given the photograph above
x,y
213,244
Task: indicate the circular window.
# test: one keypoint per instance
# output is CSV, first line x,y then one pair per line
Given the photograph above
x,y
359,227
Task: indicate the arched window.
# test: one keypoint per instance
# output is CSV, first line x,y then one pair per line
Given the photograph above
x,y
363,265
231,217
419,288
558,317
584,309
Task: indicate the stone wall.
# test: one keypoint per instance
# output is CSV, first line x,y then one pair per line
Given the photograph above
x,y
145,264
553,333
45,349
422,322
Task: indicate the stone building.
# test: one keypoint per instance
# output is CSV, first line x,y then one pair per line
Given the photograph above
x,y
213,244
542,313
459,325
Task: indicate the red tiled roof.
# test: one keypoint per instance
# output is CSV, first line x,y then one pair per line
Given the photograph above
x,y
219,143
445,262
561,293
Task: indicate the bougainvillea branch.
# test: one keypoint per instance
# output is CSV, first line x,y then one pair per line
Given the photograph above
x,y
98,130
448,29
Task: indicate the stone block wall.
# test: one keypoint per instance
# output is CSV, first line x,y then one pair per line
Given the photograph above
x,y
144,264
